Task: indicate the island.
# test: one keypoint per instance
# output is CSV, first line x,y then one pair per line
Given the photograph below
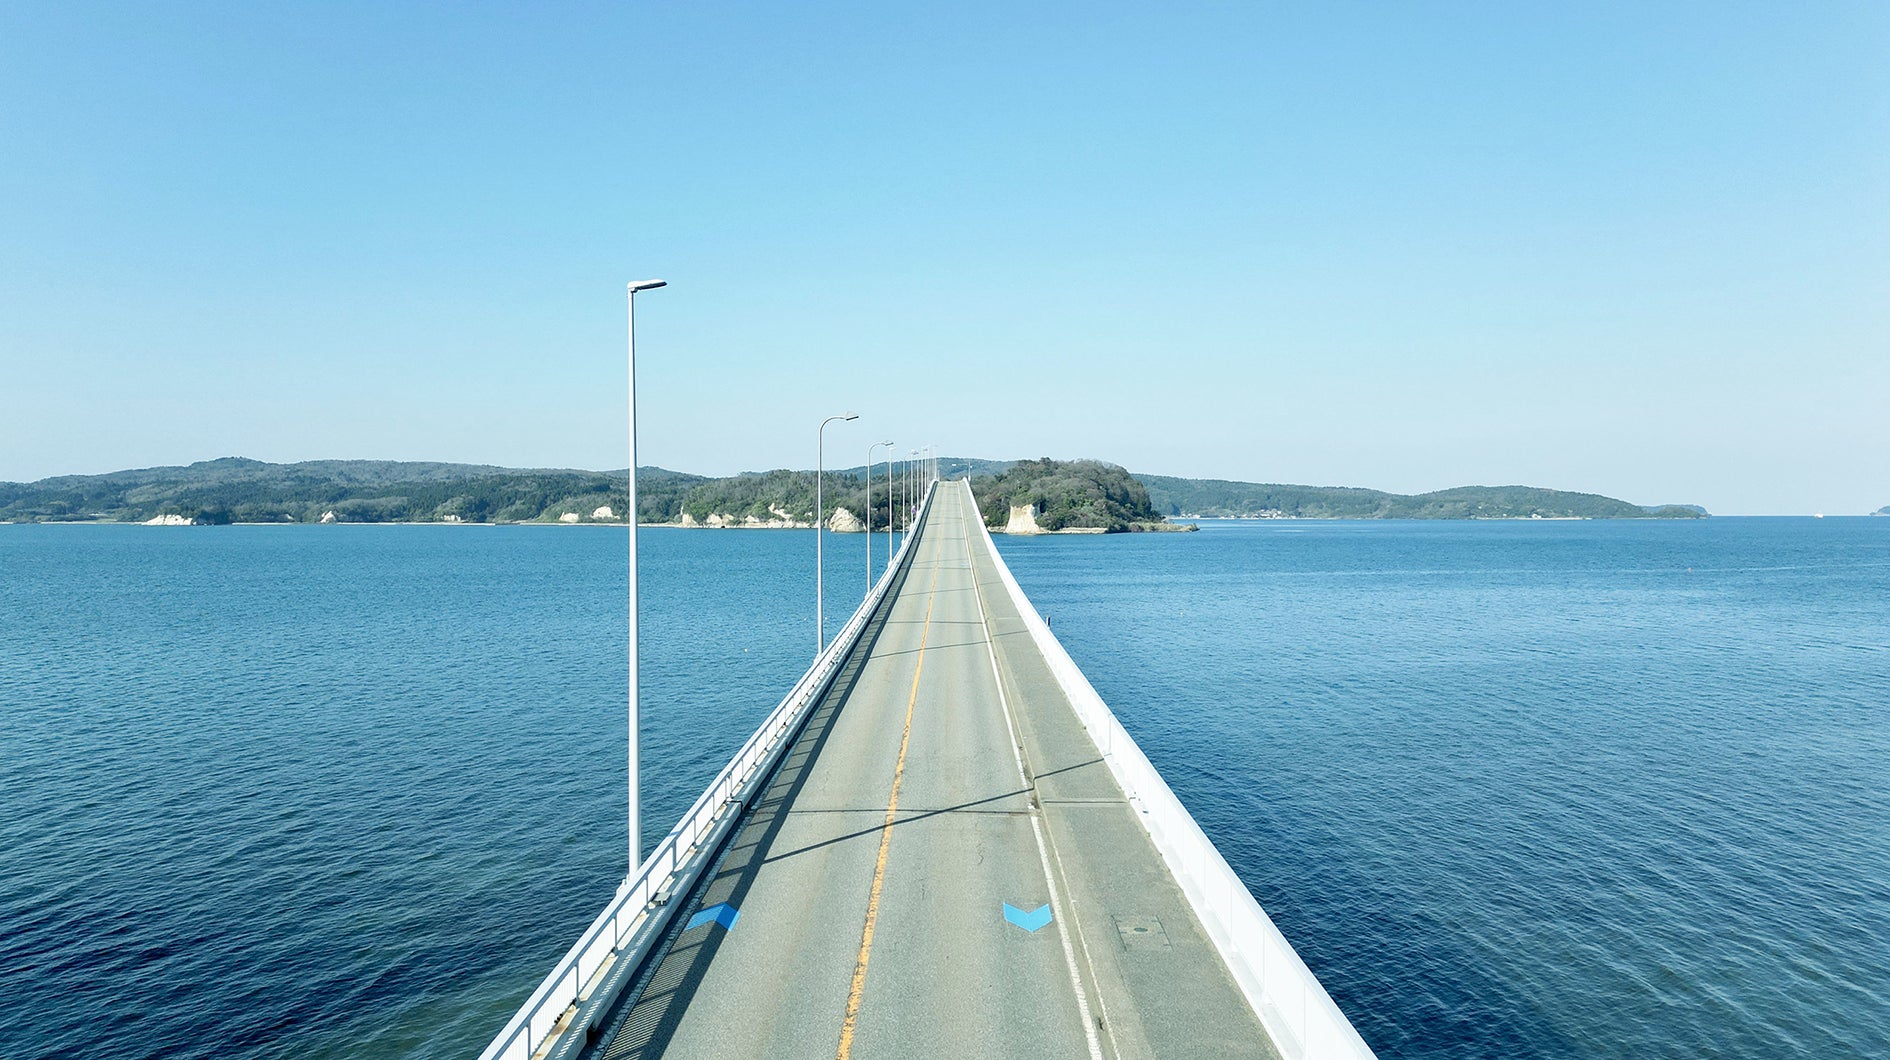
x,y
1042,495
1066,496
1220,498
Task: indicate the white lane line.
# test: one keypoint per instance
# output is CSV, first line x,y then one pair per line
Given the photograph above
x,y
1036,825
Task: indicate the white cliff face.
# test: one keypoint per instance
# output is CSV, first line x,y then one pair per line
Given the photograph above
x,y
604,512
169,520
329,517
1023,520
569,517
843,521
781,520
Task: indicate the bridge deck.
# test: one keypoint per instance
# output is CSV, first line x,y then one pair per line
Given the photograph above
x,y
944,776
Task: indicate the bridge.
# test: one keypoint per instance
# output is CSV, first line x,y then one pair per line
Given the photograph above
x,y
940,843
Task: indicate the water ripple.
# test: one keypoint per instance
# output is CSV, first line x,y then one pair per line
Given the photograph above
x,y
1606,790
275,792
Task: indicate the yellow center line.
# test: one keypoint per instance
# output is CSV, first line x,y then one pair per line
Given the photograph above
x,y
885,840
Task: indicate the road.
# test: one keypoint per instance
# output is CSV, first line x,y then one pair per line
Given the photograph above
x,y
941,867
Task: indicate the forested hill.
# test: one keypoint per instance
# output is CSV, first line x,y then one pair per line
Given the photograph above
x,y
373,491
385,491
1068,495
1219,498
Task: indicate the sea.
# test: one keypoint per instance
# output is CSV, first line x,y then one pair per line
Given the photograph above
x,y
1512,789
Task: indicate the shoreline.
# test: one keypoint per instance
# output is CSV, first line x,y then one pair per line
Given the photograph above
x,y
1074,530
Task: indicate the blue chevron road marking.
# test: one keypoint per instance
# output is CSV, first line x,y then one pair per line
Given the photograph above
x,y
720,913
1028,921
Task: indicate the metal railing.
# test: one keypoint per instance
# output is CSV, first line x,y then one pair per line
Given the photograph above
x,y
1296,1011
633,921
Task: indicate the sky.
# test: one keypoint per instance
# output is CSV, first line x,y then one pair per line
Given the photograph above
x,y
1638,249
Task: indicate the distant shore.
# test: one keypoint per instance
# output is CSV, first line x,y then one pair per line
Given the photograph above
x,y
238,490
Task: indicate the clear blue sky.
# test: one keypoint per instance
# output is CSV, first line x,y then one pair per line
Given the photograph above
x,y
1637,249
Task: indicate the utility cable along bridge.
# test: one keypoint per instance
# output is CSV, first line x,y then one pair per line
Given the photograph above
x,y
940,843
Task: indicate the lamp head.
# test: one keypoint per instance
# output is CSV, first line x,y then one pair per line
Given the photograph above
x,y
647,285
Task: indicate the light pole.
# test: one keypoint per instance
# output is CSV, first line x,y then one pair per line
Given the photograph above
x,y
869,514
636,822
889,507
912,481
820,528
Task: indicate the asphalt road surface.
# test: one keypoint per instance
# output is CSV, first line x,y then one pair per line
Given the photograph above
x,y
943,866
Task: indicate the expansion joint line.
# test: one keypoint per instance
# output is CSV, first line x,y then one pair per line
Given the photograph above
x,y
885,840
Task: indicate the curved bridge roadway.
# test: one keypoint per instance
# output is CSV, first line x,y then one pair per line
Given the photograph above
x,y
943,866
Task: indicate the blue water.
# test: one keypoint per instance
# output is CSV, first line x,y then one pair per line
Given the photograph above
x,y
1513,789
1526,789
323,791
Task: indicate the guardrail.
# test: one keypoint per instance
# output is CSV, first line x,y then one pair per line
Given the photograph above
x,y
623,933
1296,1011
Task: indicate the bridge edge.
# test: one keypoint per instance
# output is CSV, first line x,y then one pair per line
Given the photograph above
x,y
1241,931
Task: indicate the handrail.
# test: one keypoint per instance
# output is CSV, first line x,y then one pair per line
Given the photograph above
x,y
630,925
1295,1009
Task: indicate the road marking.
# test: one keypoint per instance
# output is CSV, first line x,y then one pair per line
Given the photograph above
x,y
1031,921
885,838
720,913
1036,819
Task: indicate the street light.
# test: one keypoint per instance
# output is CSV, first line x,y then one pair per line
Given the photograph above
x,y
636,824
820,527
912,483
890,506
869,514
